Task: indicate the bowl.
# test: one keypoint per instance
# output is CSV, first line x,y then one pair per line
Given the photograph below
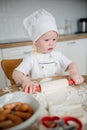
x,y
25,98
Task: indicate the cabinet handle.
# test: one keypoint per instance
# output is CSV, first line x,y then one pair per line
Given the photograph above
x,y
70,43
27,52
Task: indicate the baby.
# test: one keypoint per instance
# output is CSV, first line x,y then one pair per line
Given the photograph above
x,y
45,61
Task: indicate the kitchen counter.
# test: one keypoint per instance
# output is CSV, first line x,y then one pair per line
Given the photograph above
x,y
72,37
25,42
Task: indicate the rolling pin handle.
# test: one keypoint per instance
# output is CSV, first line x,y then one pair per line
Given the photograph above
x,y
71,82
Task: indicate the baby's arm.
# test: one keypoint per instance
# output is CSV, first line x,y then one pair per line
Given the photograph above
x,y
23,80
74,73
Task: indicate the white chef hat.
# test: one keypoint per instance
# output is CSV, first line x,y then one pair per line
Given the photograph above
x,y
39,23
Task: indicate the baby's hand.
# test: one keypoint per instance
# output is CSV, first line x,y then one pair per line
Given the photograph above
x,y
27,83
77,78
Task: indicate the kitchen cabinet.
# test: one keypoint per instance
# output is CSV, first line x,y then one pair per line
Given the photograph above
x,y
76,50
2,76
16,52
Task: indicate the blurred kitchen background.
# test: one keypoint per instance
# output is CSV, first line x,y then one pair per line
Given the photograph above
x,y
12,13
14,43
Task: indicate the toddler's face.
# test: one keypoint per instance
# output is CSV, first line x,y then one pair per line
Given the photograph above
x,y
47,42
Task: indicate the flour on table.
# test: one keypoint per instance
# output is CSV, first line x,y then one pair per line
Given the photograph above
x,y
60,99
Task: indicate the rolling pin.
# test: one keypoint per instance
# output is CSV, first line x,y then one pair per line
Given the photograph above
x,y
50,86
55,85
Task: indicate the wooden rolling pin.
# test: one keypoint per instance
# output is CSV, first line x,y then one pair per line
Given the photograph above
x,y
48,86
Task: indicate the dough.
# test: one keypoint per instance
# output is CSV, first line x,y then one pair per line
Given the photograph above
x,y
64,100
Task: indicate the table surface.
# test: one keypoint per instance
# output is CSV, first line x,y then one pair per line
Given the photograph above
x,y
14,88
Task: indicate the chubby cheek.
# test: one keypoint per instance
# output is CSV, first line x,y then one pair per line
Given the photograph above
x,y
54,45
42,48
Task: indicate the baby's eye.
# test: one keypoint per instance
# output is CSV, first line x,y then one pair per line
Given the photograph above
x,y
46,39
54,39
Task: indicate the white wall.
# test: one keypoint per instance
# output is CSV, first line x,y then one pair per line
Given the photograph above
x,y
12,13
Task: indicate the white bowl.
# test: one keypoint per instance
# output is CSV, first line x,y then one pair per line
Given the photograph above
x,y
26,98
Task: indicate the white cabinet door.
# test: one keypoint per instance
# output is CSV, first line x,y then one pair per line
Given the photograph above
x,y
16,52
76,50
2,75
